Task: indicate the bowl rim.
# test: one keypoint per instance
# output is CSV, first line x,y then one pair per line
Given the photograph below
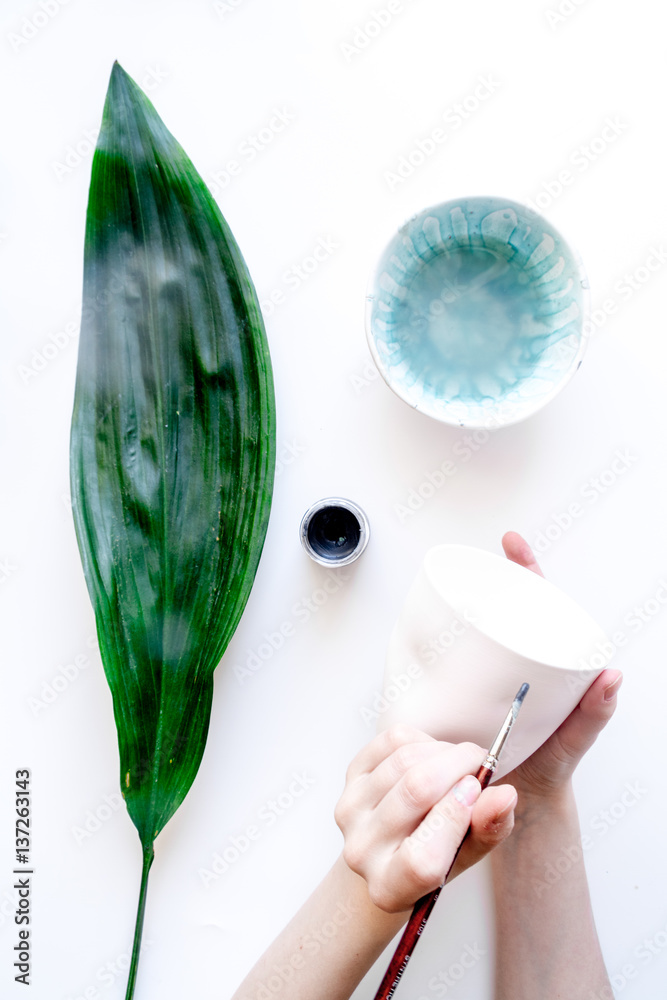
x,y
490,422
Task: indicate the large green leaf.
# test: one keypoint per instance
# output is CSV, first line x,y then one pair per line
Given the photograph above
x,y
172,446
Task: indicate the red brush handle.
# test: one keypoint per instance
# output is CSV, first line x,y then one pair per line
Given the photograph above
x,y
418,918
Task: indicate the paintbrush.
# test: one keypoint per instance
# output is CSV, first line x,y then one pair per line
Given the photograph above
x,y
423,906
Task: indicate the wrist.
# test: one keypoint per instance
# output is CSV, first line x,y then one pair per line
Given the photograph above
x,y
355,888
553,806
544,825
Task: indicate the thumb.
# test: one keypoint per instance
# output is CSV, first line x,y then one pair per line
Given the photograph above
x,y
492,822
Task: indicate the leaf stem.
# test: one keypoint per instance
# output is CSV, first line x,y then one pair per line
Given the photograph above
x,y
149,854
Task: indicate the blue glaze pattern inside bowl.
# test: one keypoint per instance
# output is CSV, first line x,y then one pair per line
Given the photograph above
x,y
475,312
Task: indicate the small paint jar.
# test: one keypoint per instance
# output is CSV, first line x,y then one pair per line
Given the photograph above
x,y
334,531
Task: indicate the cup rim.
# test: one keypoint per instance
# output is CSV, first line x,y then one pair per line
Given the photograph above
x,y
538,584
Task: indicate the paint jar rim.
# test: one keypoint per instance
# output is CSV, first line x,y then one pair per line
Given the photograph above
x,y
343,504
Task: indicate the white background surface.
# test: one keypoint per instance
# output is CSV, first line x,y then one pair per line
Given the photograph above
x,y
216,78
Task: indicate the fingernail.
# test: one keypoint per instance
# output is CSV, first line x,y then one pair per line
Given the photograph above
x,y
504,813
467,790
612,688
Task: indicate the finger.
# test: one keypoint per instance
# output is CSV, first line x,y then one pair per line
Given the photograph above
x,y
420,788
364,793
492,822
582,727
384,744
373,787
519,551
423,859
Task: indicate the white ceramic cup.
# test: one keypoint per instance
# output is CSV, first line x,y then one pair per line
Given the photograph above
x,y
473,628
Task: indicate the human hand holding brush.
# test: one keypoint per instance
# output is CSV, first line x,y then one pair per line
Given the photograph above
x,y
408,802
547,944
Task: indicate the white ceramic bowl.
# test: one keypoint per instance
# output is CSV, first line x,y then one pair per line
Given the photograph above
x,y
473,628
475,312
